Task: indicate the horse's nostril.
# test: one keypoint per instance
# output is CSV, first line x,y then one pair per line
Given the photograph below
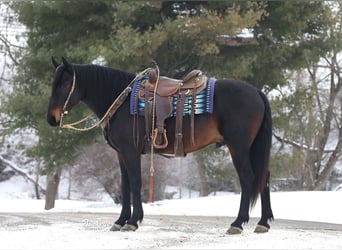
x,y
52,120
54,116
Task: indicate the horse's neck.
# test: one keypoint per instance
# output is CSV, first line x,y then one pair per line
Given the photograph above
x,y
101,86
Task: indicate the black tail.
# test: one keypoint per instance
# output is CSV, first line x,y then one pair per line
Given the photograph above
x,y
260,152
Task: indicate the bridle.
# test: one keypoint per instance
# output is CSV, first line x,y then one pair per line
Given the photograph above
x,y
106,117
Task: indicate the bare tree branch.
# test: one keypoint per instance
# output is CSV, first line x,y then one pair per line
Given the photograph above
x,y
8,48
299,145
21,172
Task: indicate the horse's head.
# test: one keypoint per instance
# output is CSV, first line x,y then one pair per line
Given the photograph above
x,y
64,94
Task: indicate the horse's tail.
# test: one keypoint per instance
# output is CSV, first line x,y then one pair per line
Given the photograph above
x,y
260,152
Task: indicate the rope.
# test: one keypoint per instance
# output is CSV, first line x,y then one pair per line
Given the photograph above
x,y
107,114
151,191
70,93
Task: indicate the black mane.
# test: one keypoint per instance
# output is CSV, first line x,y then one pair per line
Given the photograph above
x,y
101,76
104,82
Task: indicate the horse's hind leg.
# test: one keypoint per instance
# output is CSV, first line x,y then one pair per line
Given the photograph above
x,y
243,167
266,211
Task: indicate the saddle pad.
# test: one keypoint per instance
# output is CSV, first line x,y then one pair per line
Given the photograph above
x,y
204,100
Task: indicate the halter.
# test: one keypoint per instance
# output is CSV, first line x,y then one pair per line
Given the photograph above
x,y
106,117
64,110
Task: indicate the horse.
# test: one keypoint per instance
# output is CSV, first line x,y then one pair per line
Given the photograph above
x,y
241,119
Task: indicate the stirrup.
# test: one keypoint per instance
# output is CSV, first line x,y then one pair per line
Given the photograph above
x,y
154,137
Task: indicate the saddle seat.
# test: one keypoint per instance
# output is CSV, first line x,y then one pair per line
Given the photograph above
x,y
193,81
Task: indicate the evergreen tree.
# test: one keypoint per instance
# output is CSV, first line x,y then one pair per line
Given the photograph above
x,y
179,36
126,35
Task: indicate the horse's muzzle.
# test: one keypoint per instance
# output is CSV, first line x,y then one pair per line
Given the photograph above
x,y
52,120
54,116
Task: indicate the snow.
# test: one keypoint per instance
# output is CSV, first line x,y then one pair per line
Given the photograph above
x,y
88,224
318,206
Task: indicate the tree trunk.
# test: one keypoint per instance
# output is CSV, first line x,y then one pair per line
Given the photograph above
x,y
70,182
309,170
36,186
204,189
52,188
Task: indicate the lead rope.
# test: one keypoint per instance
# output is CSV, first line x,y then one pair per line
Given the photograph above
x,y
151,190
109,112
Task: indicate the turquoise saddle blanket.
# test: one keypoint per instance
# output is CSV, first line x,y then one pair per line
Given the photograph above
x,y
204,100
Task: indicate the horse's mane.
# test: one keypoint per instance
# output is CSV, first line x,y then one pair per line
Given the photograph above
x,y
101,79
91,74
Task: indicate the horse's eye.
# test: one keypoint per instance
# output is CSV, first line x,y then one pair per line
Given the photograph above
x,y
65,85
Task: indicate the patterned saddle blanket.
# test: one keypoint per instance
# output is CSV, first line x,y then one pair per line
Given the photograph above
x,y
203,101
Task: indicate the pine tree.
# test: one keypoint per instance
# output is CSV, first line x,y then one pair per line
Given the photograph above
x,y
179,36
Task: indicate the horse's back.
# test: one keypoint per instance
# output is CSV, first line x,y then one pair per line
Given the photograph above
x,y
236,94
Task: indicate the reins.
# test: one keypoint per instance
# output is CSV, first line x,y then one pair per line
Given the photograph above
x,y
106,117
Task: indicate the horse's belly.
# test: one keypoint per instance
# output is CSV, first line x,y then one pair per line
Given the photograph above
x,y
205,132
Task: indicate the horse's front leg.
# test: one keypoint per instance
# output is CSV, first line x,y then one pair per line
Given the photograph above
x,y
131,161
126,198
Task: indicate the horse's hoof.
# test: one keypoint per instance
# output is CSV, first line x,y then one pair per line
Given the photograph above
x,y
234,230
261,229
128,227
115,227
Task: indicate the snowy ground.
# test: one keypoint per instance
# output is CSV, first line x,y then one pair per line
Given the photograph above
x,y
197,223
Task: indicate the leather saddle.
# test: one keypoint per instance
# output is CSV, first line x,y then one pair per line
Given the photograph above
x,y
192,82
164,89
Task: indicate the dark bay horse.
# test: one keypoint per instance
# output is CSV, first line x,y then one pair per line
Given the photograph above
x,y
241,119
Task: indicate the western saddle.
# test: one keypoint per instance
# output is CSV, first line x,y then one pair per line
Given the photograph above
x,y
162,90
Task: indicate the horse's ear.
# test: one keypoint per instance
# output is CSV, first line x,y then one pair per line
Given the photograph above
x,y
67,65
54,62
